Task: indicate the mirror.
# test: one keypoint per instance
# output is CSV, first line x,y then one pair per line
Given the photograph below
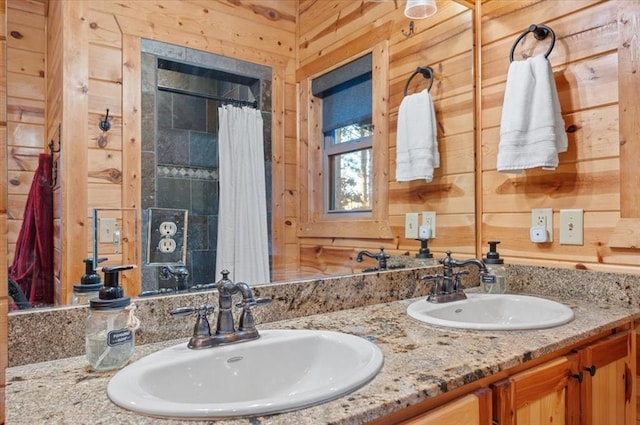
x,y
443,42
182,90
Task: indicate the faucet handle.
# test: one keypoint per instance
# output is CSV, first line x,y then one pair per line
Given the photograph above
x,y
254,302
202,327
246,322
188,311
183,311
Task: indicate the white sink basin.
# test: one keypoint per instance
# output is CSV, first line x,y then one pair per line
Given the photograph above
x,y
493,312
283,370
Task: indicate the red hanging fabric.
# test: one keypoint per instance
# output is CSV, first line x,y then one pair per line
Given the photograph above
x,y
32,266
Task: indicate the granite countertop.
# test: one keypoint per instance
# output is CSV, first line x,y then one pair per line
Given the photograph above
x,y
420,362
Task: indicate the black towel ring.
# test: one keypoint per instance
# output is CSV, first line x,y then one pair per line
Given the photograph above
x,y
540,32
427,72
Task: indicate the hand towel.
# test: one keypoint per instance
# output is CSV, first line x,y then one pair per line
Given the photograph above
x,y
417,144
532,130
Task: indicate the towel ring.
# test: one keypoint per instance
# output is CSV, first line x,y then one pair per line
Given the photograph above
x,y
427,72
540,32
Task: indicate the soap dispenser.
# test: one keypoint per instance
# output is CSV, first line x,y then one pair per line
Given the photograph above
x,y
495,281
90,283
110,325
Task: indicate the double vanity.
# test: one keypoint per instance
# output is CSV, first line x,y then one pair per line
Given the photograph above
x,y
378,362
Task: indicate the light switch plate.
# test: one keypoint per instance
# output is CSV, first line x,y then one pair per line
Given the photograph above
x,y
411,226
107,228
572,227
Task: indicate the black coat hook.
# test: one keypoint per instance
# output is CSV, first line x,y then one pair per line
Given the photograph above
x,y
104,124
411,30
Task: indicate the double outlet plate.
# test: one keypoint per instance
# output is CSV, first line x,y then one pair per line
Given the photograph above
x,y
420,225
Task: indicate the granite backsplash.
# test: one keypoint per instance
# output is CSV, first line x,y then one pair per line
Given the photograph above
x,y
49,334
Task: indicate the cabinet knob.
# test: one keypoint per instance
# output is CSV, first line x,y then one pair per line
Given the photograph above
x,y
591,369
578,376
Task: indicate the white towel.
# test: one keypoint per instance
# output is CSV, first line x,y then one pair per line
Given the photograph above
x,y
532,130
417,144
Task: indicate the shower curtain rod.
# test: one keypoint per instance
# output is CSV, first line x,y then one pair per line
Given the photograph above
x,y
233,101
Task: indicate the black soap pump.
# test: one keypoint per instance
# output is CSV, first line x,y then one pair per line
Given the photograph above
x,y
110,325
495,281
90,283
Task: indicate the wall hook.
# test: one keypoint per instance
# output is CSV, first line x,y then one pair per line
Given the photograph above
x,y
411,30
104,124
52,150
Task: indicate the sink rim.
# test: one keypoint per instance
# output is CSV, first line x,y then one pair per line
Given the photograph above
x,y
418,310
125,389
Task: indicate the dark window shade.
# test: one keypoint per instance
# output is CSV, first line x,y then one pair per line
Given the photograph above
x,y
350,105
346,94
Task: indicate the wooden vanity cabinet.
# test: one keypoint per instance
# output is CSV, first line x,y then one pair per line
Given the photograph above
x,y
591,386
471,409
607,394
545,394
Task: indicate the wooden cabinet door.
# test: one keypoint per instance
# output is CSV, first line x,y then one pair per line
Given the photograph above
x,y
607,394
471,409
545,394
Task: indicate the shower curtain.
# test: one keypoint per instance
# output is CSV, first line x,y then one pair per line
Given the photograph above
x,y
242,217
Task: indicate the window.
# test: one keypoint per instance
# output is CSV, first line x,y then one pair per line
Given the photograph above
x,y
349,165
348,132
343,152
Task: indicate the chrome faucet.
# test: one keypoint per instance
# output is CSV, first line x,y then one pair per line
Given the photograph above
x,y
225,330
447,286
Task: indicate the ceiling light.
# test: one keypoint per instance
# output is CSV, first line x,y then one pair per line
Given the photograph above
x,y
420,9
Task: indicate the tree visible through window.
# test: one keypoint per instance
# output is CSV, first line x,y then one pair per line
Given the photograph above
x,y
349,158
348,133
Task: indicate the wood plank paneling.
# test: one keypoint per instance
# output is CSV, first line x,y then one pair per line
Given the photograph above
x,y
585,62
329,33
112,58
4,299
25,104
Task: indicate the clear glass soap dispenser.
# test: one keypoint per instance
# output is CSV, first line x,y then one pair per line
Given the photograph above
x,y
110,325
495,281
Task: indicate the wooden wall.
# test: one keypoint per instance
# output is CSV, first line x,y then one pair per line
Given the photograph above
x,y
4,299
22,44
25,106
102,70
444,42
585,62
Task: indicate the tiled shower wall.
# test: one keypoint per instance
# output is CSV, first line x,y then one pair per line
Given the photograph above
x,y
180,152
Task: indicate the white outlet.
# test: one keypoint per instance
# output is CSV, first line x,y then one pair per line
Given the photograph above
x,y
168,228
429,220
167,245
107,229
572,227
543,217
411,226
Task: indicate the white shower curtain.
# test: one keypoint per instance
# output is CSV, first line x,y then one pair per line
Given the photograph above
x,y
242,218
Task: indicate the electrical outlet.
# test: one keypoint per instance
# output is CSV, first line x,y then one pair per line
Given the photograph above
x,y
429,219
107,229
168,228
572,227
543,217
167,245
411,226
